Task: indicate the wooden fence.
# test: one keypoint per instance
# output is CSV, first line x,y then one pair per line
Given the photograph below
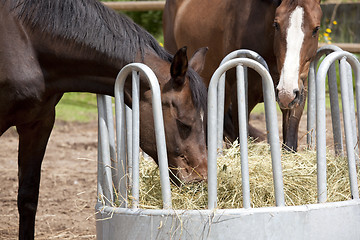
x,y
136,6
350,47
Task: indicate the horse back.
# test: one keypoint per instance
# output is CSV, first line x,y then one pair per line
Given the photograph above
x,y
169,16
221,25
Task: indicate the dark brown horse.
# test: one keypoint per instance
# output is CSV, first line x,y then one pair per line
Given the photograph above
x,y
284,33
50,47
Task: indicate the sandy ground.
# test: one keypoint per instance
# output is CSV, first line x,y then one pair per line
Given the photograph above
x,y
68,184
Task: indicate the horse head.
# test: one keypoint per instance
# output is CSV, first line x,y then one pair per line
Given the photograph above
x,y
296,23
184,106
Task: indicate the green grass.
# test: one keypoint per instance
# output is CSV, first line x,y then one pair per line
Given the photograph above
x,y
79,107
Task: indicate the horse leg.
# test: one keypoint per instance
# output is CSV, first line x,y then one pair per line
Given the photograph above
x,y
291,120
33,139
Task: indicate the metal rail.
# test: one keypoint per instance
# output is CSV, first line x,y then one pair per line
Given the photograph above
x,y
119,182
124,223
321,119
311,111
272,127
242,53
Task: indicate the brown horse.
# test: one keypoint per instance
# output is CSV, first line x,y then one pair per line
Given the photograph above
x,y
51,47
284,33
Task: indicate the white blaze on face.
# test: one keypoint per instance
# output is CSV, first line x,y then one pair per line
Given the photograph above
x,y
290,72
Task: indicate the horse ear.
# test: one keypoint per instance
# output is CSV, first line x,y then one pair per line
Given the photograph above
x,y
197,62
179,66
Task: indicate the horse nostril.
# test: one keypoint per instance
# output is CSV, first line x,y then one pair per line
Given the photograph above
x,y
297,94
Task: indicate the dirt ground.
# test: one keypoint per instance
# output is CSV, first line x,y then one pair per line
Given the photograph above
x,y
68,184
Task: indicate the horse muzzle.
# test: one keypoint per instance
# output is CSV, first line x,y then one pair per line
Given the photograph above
x,y
289,100
186,174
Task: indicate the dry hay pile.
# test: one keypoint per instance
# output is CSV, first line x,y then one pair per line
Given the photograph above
x,y
299,175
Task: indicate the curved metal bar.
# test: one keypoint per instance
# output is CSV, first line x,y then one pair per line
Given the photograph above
x,y
272,127
135,140
242,53
321,122
110,126
243,136
104,186
158,121
334,102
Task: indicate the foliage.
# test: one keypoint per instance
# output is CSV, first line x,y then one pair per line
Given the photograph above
x,y
150,20
325,32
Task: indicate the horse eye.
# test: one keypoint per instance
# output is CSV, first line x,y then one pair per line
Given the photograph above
x,y
276,25
315,31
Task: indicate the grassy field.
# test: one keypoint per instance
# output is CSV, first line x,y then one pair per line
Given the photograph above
x,y
80,107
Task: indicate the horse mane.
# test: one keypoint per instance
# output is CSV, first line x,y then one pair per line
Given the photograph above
x,y
278,2
82,22
274,2
89,24
198,90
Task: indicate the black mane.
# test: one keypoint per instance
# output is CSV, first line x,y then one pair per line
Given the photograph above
x,y
198,90
84,21
90,24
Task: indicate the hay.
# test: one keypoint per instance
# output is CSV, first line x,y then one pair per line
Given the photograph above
x,y
299,175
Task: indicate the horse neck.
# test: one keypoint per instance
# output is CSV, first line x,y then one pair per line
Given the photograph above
x,y
257,18
81,69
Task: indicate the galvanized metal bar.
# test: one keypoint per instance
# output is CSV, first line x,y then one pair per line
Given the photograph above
x,y
129,148
105,188
355,65
311,107
352,108
273,133
272,127
100,181
160,136
357,91
242,53
243,136
135,187
335,110
121,145
347,123
147,73
212,131
311,110
109,119
220,112
320,131
321,123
